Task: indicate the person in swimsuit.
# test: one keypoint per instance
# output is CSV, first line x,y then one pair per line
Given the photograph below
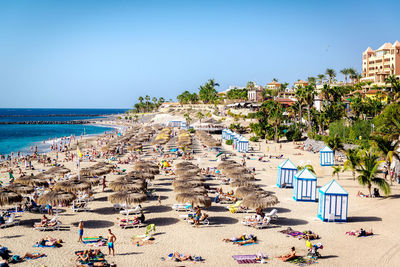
x,y
110,242
80,226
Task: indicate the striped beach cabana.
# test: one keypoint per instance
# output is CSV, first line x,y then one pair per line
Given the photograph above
x,y
326,156
243,145
305,186
235,138
229,134
224,134
286,172
332,202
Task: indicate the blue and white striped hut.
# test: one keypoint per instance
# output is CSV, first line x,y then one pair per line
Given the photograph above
x,y
305,186
332,202
243,145
224,134
229,134
235,138
286,172
326,156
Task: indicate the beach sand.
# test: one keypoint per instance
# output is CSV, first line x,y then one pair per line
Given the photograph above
x,y
173,234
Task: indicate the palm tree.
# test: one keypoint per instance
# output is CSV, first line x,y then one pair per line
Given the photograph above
x,y
352,73
331,74
311,80
335,143
275,80
336,171
394,86
308,166
275,119
140,99
368,173
200,115
308,95
345,72
147,98
388,149
300,99
187,118
321,78
352,162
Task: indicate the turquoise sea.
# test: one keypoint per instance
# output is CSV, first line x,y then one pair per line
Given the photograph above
x,y
20,137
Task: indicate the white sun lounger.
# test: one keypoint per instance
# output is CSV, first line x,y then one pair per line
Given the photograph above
x,y
11,221
79,205
182,207
136,210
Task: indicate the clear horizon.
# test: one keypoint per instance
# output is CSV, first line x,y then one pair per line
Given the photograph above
x,y
74,54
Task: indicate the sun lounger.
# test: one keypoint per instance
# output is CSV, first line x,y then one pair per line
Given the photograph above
x,y
11,221
79,205
130,224
258,224
202,221
273,214
182,207
53,224
136,210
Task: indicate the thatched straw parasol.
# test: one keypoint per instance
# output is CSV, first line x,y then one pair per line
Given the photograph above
x,y
127,197
188,189
20,188
238,169
244,191
240,182
255,201
72,186
194,199
56,198
226,164
189,177
31,180
240,175
183,164
8,197
190,183
127,186
144,175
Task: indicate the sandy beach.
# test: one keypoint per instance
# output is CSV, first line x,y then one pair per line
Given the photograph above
x,y
173,234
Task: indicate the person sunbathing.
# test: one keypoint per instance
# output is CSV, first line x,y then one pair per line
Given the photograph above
x,y
32,256
362,232
180,257
49,241
248,241
290,256
361,194
85,256
241,239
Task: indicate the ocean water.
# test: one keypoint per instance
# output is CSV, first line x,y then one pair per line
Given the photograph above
x,y
20,137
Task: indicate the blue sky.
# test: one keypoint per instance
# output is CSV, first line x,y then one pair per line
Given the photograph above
x,y
106,54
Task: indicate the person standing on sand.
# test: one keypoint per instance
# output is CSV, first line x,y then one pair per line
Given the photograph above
x,y
104,182
110,242
80,226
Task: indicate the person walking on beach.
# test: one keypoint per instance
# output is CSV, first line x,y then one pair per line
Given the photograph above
x,y
104,182
80,226
159,200
110,242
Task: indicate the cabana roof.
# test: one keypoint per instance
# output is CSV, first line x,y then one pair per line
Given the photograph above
x,y
333,188
305,174
326,149
287,164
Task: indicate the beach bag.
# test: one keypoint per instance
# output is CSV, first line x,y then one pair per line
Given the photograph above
x,y
15,259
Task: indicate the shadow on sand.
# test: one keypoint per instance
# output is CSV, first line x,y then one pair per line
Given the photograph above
x,y
105,211
218,220
162,221
289,221
95,224
364,219
157,209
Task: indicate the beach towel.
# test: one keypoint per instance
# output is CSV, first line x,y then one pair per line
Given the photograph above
x,y
98,241
43,246
245,259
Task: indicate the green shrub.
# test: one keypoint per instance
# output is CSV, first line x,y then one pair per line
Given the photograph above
x,y
297,135
191,130
254,139
229,142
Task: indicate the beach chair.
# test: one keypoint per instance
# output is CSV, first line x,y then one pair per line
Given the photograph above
x,y
273,214
182,207
128,211
130,224
203,221
80,205
263,224
226,200
53,224
117,206
11,221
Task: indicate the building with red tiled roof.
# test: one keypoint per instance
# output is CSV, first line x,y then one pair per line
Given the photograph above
x,y
300,83
274,85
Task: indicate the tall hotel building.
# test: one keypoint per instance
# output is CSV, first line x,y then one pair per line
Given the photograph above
x,y
379,64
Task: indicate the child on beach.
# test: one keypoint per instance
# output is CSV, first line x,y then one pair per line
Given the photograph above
x,y
80,226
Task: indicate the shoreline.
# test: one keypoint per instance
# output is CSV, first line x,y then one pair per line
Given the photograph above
x,y
44,145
